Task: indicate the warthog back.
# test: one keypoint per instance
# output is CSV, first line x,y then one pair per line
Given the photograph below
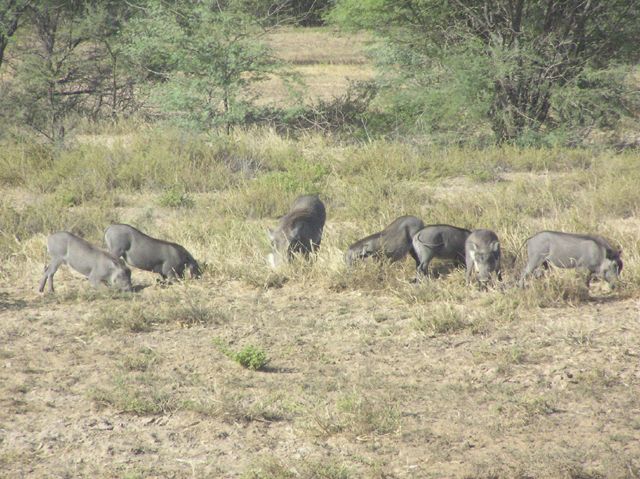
x,y
393,242
150,254
299,231
439,241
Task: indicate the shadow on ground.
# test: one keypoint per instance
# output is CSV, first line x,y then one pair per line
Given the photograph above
x,y
11,304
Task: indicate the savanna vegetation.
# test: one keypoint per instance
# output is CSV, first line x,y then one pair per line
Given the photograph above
x,y
201,122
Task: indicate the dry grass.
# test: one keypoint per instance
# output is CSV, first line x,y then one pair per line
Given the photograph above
x,y
323,61
319,46
368,375
320,82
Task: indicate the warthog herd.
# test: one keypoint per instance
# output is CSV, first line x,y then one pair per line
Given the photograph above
x,y
300,231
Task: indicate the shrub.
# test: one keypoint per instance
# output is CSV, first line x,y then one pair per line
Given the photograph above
x,y
250,357
176,197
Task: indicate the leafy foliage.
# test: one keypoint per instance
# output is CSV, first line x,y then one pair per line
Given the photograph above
x,y
250,357
463,71
69,68
201,58
11,11
501,60
176,197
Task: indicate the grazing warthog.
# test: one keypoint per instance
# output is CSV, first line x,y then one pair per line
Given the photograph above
x,y
482,250
568,250
439,241
97,265
393,242
299,231
142,251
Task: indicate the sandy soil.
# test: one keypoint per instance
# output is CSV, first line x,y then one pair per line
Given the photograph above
x,y
353,388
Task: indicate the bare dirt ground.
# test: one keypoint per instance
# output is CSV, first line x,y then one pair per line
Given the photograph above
x,y
353,388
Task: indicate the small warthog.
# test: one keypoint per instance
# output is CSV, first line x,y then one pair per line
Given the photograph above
x,y
393,242
299,231
439,241
99,266
483,255
568,250
142,251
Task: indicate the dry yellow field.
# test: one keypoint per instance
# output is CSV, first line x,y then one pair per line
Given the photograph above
x,y
325,61
319,46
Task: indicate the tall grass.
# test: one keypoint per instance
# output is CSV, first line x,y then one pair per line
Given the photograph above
x,y
238,184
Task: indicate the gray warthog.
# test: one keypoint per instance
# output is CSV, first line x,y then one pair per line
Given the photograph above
x,y
393,242
483,256
142,251
568,250
439,241
299,231
99,266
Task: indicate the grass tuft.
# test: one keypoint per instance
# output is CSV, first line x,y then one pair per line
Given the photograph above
x,y
442,319
249,357
176,197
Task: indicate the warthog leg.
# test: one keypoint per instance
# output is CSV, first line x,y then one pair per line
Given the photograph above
x,y
49,271
94,279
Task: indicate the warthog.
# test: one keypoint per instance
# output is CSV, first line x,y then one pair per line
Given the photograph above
x,y
99,266
439,241
482,250
393,242
142,251
568,250
299,231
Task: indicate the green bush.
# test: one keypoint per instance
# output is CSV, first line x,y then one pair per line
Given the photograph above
x,y
176,197
250,357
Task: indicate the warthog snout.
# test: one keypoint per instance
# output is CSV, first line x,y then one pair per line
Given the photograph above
x,y
122,279
483,256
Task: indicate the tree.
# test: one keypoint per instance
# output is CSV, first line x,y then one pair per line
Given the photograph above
x,y
51,78
528,48
202,56
11,12
107,21
67,64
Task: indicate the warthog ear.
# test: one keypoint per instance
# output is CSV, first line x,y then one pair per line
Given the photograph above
x,y
614,254
495,246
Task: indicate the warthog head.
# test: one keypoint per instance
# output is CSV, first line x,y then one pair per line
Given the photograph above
x,y
611,268
486,259
279,247
121,277
353,255
194,269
